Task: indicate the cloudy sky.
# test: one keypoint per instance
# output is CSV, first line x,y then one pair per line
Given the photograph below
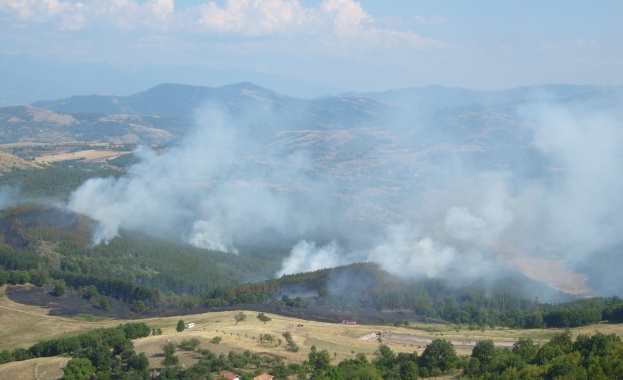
x,y
365,45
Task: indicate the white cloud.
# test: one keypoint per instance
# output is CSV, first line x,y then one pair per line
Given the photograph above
x,y
348,16
358,29
329,20
251,17
129,15
162,7
66,13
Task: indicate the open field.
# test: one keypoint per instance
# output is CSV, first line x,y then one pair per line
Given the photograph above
x,y
38,369
23,325
90,155
41,153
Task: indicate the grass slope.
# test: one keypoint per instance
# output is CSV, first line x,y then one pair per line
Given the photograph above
x,y
23,325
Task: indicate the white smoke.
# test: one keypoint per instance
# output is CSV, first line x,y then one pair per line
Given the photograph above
x,y
306,257
583,207
473,223
461,244
8,196
217,187
407,254
223,185
207,234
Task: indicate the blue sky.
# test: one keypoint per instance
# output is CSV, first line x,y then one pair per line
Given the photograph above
x,y
366,45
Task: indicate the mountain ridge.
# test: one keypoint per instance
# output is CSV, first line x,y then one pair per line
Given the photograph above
x,y
427,95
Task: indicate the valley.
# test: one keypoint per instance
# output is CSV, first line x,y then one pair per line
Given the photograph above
x,y
431,216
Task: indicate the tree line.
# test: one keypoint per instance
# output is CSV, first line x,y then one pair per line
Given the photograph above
x,y
477,312
597,356
101,352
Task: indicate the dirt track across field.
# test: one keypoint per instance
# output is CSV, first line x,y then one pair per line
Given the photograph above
x,y
419,341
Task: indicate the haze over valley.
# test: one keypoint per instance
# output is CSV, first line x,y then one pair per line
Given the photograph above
x,y
429,182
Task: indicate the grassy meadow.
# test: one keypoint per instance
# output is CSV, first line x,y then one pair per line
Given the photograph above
x,y
24,325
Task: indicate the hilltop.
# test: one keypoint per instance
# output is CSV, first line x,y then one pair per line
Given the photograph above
x,y
9,162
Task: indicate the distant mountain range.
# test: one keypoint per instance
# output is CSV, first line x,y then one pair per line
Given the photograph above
x,y
406,131
398,126
350,136
25,79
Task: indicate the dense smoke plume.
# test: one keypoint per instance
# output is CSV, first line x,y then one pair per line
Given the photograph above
x,y
225,185
307,257
216,188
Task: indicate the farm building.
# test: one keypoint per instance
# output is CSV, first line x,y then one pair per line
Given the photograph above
x,y
349,322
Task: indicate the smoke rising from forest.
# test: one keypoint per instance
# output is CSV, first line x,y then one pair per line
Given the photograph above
x,y
221,187
216,188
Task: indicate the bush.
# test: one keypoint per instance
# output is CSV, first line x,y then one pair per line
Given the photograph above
x,y
191,344
59,290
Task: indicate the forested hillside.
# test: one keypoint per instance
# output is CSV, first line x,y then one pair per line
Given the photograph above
x,y
43,244
57,241
54,181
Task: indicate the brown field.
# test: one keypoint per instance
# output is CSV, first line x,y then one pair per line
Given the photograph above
x,y
41,368
56,152
90,155
23,325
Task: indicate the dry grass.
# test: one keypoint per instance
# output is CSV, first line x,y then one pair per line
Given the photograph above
x,y
56,152
9,162
92,155
23,325
245,336
39,369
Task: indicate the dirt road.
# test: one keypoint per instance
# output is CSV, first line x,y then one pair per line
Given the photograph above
x,y
413,340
